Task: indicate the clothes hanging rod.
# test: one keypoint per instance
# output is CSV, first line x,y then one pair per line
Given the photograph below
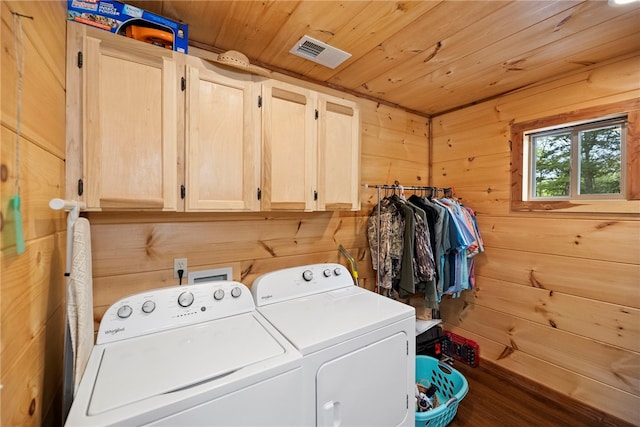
x,y
396,186
67,205
405,187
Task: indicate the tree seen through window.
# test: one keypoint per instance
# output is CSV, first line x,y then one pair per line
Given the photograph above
x,y
600,160
553,165
578,161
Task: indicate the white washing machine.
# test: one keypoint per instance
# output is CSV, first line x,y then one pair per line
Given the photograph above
x,y
187,356
358,346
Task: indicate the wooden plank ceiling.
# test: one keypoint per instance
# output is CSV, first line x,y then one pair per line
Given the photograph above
x,y
425,56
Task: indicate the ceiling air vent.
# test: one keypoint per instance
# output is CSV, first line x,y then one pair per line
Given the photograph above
x,y
317,51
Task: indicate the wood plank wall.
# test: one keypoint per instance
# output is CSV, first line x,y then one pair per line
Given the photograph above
x,y
32,286
557,297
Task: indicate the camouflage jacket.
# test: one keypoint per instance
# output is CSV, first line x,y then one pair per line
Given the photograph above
x,y
385,233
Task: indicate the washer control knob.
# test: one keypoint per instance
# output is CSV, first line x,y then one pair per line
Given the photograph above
x,y
218,295
236,292
185,299
307,275
337,272
148,306
125,311
326,272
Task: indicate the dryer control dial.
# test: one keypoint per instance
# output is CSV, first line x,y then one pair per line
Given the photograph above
x,y
218,294
125,311
298,282
236,292
185,299
307,275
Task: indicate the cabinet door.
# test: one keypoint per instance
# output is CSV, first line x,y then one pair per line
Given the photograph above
x,y
338,154
222,140
129,119
288,125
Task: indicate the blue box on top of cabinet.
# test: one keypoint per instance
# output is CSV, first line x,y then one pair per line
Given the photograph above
x,y
130,21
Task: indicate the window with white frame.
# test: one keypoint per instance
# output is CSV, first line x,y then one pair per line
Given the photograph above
x,y
578,161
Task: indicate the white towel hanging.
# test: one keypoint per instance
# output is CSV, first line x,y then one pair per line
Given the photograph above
x,y
80,298
69,369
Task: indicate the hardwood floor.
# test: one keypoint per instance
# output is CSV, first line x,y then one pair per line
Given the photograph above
x,y
496,398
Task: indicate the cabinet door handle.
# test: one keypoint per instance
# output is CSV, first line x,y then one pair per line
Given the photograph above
x,y
315,195
183,191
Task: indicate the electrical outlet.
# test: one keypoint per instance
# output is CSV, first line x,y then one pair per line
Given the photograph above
x,y
180,264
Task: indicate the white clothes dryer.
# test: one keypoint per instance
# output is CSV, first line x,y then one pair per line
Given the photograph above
x,y
358,346
196,355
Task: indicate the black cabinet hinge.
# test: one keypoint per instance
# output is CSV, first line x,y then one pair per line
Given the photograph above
x,y
316,114
259,194
183,192
183,84
80,187
259,101
80,60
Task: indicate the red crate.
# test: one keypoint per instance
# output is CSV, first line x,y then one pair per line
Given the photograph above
x,y
460,348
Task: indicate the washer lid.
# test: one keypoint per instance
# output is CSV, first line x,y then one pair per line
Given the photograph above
x,y
136,369
318,321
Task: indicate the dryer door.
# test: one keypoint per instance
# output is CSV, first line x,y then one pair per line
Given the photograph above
x,y
367,387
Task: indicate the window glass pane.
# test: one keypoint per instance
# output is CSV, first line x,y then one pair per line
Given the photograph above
x,y
552,165
600,154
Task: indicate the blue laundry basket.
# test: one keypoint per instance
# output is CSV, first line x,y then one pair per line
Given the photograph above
x,y
452,388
